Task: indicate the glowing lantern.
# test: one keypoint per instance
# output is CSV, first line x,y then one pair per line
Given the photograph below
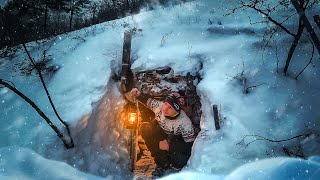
x,y
131,116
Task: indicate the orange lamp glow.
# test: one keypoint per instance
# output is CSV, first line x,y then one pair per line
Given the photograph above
x,y
132,117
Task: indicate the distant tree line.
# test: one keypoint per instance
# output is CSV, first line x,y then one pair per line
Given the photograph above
x,y
24,20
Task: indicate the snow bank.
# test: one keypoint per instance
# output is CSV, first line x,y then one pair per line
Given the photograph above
x,y
87,58
276,168
279,168
25,164
100,139
229,48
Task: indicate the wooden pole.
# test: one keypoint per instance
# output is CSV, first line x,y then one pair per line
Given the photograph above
x,y
126,74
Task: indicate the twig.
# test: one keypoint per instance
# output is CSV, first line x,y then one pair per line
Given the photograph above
x,y
289,153
271,34
257,22
261,138
251,87
288,17
253,6
164,38
277,58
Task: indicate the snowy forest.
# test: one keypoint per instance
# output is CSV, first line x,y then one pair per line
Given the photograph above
x,y
160,89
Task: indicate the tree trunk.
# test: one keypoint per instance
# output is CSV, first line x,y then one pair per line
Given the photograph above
x,y
45,18
114,3
71,15
294,45
128,5
4,29
307,24
316,19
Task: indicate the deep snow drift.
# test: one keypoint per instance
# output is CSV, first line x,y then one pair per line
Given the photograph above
x,y
182,38
276,168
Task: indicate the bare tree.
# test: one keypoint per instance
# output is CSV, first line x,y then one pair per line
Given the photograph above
x,y
268,8
299,6
71,14
49,97
93,9
74,7
45,17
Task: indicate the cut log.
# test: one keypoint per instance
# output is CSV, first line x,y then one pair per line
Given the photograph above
x,y
163,70
216,117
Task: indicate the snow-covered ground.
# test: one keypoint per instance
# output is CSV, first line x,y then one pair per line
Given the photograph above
x,y
180,37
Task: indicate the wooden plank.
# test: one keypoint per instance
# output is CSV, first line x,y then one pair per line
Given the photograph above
x,y
216,117
162,71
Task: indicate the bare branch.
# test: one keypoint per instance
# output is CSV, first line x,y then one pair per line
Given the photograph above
x,y
268,39
41,113
10,82
311,58
257,22
251,87
290,153
286,19
48,94
253,6
277,58
261,138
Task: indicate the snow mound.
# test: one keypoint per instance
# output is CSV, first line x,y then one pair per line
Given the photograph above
x,y
22,163
279,168
16,163
276,168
